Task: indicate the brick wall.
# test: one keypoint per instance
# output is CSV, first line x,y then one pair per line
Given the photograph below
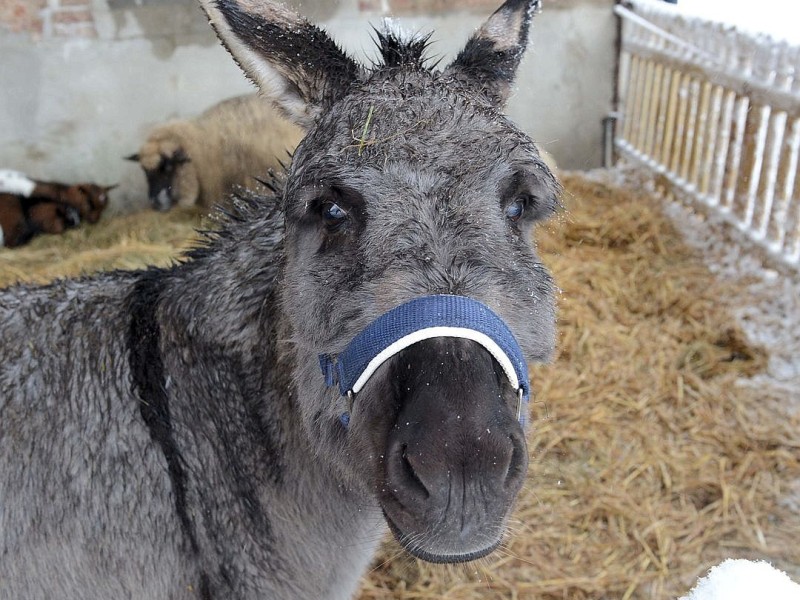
x,y
426,7
422,7
73,18
48,18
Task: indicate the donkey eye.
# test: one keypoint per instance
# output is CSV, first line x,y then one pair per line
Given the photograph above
x,y
333,214
515,210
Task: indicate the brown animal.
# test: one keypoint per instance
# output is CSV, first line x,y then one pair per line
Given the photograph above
x,y
200,160
13,224
21,219
89,199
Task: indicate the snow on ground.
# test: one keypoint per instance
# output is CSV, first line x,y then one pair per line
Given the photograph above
x,y
768,312
745,580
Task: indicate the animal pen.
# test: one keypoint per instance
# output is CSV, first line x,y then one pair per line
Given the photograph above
x,y
656,448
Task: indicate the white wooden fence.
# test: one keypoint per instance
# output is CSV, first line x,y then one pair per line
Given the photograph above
x,y
716,112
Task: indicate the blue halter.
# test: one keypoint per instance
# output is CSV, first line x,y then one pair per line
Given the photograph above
x,y
420,319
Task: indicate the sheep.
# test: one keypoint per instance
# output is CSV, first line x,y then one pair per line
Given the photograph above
x,y
29,206
200,160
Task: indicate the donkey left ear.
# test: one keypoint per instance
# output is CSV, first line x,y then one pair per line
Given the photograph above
x,y
294,63
492,55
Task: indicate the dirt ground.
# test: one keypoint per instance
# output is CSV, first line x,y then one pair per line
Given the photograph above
x,y
653,454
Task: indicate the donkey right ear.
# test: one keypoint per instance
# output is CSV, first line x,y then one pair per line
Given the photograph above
x,y
294,63
492,55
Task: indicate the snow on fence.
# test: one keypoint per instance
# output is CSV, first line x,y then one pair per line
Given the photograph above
x,y
715,112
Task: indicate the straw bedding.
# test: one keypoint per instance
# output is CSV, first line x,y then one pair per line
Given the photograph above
x,y
649,461
129,242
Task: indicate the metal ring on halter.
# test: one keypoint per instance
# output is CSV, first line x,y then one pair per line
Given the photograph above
x,y
350,398
519,403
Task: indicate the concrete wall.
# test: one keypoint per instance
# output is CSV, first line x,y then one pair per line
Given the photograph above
x,y
81,81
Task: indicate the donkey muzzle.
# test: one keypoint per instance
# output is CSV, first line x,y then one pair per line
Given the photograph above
x,y
456,455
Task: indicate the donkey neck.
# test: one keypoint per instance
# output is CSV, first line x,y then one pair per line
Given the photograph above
x,y
254,450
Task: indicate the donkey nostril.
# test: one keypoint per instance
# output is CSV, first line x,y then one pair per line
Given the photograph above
x,y
517,465
411,477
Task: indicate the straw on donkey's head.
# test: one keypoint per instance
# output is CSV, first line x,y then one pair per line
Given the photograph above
x,y
409,183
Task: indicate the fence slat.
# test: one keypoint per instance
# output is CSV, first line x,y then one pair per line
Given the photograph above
x,y
736,144
769,177
689,128
793,245
707,161
662,116
787,174
724,134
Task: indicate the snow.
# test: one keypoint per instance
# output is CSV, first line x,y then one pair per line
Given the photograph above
x,y
769,309
777,18
745,580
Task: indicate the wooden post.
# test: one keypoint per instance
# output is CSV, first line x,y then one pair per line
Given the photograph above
x,y
780,227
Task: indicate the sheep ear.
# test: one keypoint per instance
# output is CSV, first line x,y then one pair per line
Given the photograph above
x,y
492,55
294,63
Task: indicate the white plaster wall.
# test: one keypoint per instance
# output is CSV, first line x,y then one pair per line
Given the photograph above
x,y
566,86
79,107
70,109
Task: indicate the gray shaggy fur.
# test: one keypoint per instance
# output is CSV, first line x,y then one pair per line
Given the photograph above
x,y
200,160
167,433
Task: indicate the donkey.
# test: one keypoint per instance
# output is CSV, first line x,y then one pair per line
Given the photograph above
x,y
168,433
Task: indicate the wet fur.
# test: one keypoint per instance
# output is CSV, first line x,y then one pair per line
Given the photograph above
x,y
167,433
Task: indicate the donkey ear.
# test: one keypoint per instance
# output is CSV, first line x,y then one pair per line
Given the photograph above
x,y
294,63
490,59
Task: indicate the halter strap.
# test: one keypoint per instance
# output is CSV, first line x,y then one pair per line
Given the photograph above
x,y
421,319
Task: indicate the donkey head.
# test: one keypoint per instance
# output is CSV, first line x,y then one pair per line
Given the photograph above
x,y
408,183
